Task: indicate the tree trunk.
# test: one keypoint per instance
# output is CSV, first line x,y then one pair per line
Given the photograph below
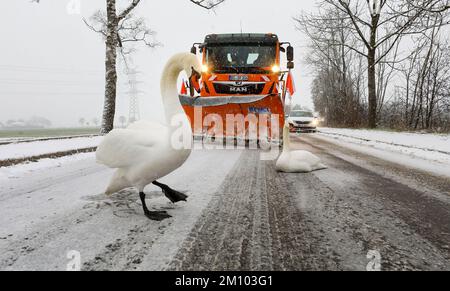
x,y
109,106
372,89
371,71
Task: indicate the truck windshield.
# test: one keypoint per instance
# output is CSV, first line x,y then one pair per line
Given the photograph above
x,y
301,114
240,58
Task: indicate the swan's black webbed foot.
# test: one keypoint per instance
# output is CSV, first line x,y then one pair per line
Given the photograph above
x,y
173,195
157,215
153,215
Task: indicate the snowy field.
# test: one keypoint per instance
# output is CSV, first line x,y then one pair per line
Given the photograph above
x,y
430,152
38,148
8,140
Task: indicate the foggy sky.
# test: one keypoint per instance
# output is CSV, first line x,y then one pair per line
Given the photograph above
x,y
52,65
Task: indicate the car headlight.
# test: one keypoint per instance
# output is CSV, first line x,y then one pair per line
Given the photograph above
x,y
315,122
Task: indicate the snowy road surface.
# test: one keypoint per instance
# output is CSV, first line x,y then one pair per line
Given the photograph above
x,y
241,215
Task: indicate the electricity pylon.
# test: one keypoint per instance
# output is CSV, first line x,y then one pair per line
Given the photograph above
x,y
134,112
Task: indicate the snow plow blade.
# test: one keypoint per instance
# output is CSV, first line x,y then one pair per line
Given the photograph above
x,y
235,116
219,100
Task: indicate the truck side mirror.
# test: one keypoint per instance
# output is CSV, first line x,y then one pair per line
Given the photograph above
x,y
290,65
290,53
194,50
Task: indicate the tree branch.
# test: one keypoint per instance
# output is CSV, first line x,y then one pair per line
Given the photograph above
x,y
128,10
207,4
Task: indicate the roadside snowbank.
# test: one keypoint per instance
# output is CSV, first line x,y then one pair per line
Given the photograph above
x,y
415,148
38,148
426,142
8,140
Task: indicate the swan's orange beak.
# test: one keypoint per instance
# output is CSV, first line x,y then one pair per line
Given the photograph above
x,y
195,81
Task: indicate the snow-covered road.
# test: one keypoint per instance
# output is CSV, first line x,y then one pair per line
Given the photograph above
x,y
241,215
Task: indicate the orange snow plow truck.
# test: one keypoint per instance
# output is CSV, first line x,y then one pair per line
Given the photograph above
x,y
241,86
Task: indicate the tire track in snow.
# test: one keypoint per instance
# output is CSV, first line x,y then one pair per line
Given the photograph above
x,y
251,225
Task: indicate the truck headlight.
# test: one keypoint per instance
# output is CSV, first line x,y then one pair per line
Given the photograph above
x,y
276,69
205,69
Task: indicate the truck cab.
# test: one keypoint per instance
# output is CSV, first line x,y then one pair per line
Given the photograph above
x,y
241,75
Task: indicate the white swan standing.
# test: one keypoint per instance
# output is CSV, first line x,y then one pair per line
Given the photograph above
x,y
143,152
296,161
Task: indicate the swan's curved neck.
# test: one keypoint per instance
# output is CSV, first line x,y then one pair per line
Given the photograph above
x,y
169,91
286,139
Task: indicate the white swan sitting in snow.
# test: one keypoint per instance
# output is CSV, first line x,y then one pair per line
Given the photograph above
x,y
143,153
296,161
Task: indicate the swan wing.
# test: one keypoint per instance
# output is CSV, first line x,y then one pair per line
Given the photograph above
x,y
123,148
304,156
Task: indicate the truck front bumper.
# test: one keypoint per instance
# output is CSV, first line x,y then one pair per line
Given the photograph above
x,y
219,100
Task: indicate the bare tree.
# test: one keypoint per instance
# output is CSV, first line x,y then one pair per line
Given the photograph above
x,y
426,72
120,31
379,25
336,87
385,73
82,121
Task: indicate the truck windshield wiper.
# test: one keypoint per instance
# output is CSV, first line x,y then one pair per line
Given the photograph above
x,y
227,69
259,69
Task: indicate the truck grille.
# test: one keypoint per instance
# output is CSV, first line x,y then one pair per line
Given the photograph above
x,y
251,89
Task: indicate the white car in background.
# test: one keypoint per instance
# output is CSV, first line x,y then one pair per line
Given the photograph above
x,y
303,121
